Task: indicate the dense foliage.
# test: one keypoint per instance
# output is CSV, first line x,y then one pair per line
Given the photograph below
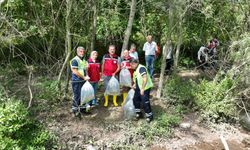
x,y
18,130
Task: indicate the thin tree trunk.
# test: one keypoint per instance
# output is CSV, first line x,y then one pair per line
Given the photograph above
x,y
163,66
92,47
129,27
30,68
67,40
66,88
177,53
166,48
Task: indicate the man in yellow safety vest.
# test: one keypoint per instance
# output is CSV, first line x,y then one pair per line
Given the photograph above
x,y
142,85
79,76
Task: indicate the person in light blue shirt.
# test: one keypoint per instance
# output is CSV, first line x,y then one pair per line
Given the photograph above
x,y
150,48
132,52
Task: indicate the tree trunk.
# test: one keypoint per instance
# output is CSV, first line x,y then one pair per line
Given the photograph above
x,y
67,40
92,47
177,53
129,27
166,48
66,87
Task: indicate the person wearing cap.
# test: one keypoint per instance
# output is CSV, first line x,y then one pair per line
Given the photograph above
x,y
142,85
94,71
79,77
110,67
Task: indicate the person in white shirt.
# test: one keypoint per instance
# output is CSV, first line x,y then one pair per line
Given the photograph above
x,y
150,48
203,55
169,58
132,52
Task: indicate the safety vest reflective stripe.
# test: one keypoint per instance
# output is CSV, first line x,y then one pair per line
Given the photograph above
x,y
139,78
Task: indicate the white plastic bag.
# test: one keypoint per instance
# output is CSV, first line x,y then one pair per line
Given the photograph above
x,y
87,93
113,87
125,78
128,107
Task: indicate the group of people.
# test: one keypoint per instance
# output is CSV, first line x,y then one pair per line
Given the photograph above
x,y
208,54
91,70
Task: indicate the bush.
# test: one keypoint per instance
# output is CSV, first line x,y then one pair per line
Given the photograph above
x,y
187,62
160,127
215,99
48,89
179,91
18,130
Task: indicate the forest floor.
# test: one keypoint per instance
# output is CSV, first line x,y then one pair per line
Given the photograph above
x,y
106,128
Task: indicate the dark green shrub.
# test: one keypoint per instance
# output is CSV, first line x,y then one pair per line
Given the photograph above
x,y
187,62
18,130
179,91
48,89
215,99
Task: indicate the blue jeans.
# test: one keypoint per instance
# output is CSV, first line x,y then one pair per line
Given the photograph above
x,y
76,87
95,86
150,63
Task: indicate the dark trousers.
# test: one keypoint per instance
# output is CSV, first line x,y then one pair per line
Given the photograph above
x,y
144,99
169,64
76,87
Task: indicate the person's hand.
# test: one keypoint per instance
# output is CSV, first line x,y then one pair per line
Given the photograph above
x,y
113,74
200,61
86,78
133,86
142,91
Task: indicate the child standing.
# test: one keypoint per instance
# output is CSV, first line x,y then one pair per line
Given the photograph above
x,y
94,74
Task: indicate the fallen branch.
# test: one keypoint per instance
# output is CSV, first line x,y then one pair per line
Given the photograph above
x,y
224,142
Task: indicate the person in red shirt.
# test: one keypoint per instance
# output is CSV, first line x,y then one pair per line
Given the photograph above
x,y
125,64
94,71
110,67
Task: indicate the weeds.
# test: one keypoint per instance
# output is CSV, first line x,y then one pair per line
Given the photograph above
x,y
214,100
48,89
18,130
161,126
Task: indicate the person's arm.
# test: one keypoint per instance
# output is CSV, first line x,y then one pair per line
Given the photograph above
x,y
76,72
118,67
128,67
144,47
87,67
156,47
102,67
144,82
136,54
117,70
206,57
143,72
199,55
